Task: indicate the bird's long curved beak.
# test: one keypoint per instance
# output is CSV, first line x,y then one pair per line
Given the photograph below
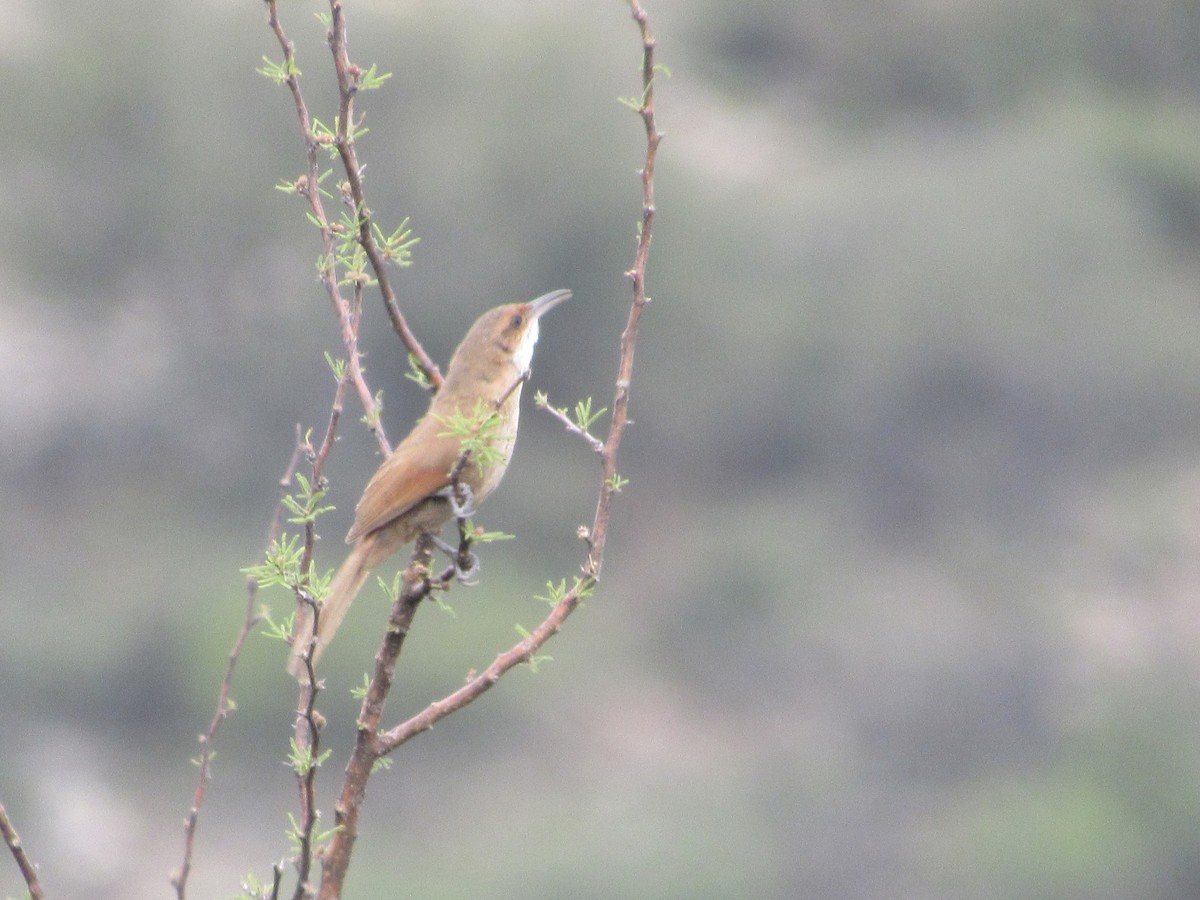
x,y
547,302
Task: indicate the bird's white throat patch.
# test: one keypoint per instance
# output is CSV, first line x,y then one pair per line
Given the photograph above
x,y
523,355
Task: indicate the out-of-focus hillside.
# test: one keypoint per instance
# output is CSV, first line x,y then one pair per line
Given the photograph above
x,y
901,598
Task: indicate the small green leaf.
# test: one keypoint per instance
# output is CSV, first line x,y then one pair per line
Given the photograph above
x,y
359,692
584,417
336,366
282,563
392,590
439,600
488,537
416,372
615,483
278,72
322,132
371,80
554,593
278,631
397,246
478,433
371,419
301,759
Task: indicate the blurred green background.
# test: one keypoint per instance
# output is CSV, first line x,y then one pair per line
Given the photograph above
x,y
901,600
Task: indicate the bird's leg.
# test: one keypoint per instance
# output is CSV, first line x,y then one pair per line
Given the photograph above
x,y
466,563
462,505
466,567
462,500
458,492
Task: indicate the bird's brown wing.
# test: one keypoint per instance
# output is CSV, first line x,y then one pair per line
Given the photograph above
x,y
418,467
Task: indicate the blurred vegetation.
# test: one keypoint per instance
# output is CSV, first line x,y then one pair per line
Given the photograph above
x,y
900,601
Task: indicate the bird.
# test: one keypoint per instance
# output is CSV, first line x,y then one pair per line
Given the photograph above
x,y
410,493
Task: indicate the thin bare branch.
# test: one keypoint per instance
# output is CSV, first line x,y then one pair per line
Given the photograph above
x,y
24,863
525,650
522,652
348,77
308,741
307,731
309,187
416,586
637,278
224,707
592,441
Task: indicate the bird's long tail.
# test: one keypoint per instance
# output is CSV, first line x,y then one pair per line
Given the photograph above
x,y
347,582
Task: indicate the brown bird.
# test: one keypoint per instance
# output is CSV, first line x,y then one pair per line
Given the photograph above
x,y
409,494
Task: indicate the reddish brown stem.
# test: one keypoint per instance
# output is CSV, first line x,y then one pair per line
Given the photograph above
x,y
415,588
309,188
348,76
525,650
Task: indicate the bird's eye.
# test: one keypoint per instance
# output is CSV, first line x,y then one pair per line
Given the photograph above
x,y
516,321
